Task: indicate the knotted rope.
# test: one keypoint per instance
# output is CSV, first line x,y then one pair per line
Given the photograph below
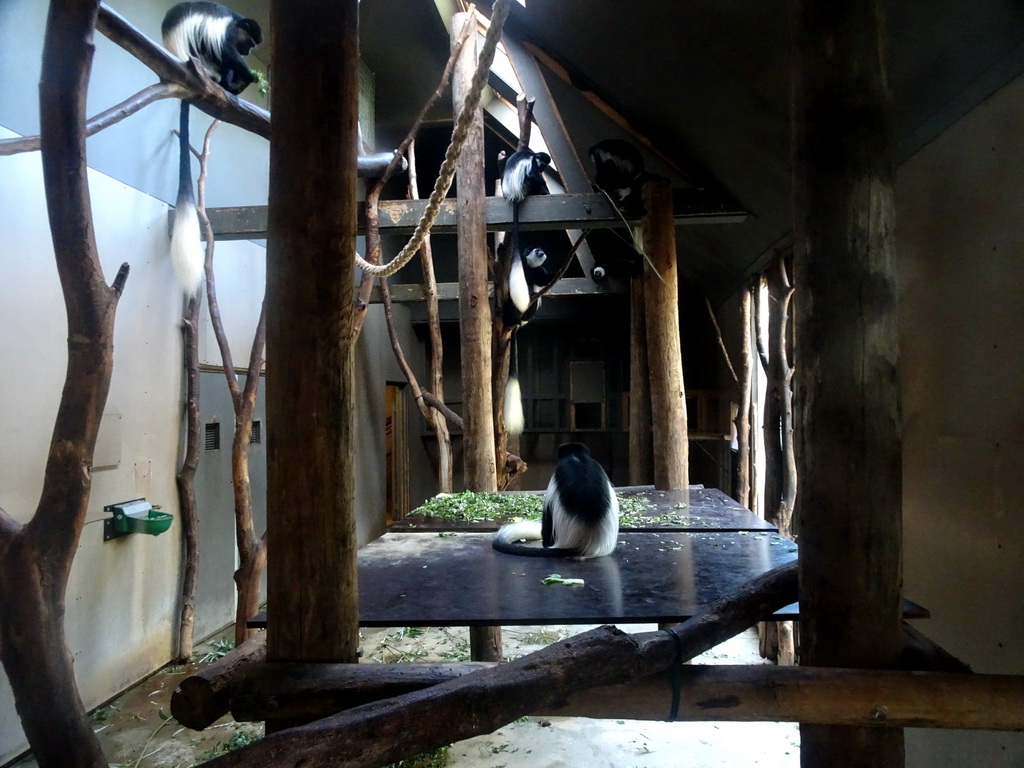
x,y
447,173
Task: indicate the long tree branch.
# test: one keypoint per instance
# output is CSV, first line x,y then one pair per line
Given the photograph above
x,y
106,118
721,341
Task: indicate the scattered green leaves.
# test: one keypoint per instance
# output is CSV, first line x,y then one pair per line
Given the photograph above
x,y
476,507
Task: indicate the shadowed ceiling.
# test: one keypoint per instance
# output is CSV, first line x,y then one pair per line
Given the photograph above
x,y
707,83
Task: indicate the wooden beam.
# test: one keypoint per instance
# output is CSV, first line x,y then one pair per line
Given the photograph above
x,y
719,693
661,297
311,579
479,464
847,363
547,212
412,293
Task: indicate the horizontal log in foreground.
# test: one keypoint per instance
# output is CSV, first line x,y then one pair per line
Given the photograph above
x,y
394,728
544,212
746,693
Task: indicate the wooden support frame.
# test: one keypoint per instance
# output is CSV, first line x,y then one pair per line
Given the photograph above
x,y
720,693
661,297
585,211
847,363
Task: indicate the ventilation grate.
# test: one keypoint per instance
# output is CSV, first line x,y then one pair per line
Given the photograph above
x,y
256,433
213,436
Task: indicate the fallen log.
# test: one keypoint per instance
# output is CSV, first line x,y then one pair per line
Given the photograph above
x,y
203,698
289,692
389,730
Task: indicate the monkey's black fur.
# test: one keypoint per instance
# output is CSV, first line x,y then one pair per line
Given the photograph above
x,y
218,38
620,173
581,512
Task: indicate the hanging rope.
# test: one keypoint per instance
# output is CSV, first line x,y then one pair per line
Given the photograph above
x,y
462,125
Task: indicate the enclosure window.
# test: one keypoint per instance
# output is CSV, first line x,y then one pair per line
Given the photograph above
x,y
256,433
586,394
213,436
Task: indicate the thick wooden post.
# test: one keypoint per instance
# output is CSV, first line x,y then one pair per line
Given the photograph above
x,y
668,394
641,449
847,363
312,600
474,309
479,468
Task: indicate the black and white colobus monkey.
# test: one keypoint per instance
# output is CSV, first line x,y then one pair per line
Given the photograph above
x,y
526,276
581,512
218,38
620,173
523,176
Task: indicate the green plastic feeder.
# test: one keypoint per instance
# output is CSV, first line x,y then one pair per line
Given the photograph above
x,y
137,516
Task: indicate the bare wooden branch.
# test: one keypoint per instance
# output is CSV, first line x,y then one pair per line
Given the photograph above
x,y
742,418
186,484
435,367
452,416
203,92
36,558
378,733
721,341
104,119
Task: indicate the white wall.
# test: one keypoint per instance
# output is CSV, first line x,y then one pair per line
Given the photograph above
x,y
121,594
960,242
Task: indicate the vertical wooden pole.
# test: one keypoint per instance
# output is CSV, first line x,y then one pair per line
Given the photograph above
x,y
847,364
479,468
311,579
641,449
742,420
474,309
668,394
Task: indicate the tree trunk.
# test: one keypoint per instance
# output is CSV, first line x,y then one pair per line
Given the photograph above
x,y
742,490
312,601
435,375
479,470
36,558
847,363
186,485
668,393
641,445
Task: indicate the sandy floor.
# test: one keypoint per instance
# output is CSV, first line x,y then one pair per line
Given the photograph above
x,y
136,731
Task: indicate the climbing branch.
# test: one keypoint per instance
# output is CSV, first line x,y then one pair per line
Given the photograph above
x,y
252,549
36,559
104,119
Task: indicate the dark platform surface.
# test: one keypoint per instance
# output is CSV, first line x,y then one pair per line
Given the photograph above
x,y
457,579
694,509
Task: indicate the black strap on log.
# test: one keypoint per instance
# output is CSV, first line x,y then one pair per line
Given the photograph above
x,y
677,676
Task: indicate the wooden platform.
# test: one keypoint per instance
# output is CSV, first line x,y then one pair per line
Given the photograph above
x,y
694,509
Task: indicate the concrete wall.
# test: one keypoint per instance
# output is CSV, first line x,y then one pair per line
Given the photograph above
x,y
960,240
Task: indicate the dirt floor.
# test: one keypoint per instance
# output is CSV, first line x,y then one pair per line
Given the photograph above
x,y
137,732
